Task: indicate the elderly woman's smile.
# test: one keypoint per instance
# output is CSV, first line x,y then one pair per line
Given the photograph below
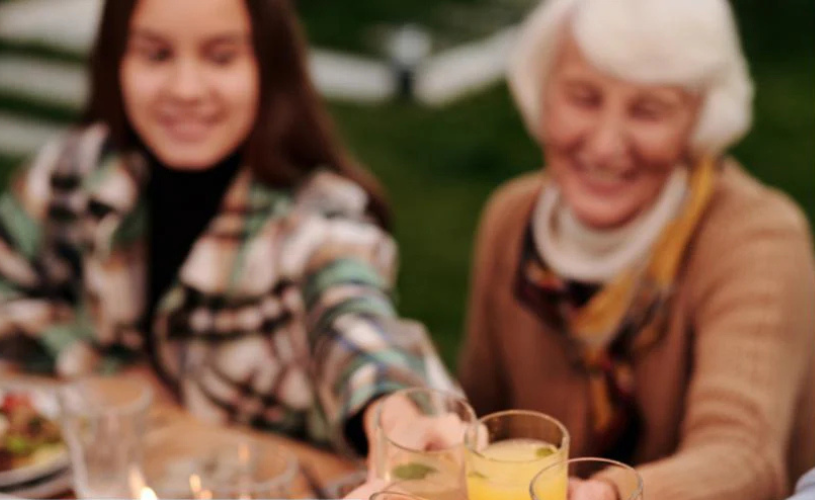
x,y
611,144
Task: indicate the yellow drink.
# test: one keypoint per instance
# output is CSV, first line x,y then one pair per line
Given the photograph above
x,y
504,470
554,486
427,490
434,476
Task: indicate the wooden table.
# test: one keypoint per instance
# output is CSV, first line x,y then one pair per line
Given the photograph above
x,y
168,419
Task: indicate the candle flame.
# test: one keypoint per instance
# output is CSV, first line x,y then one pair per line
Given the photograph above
x,y
147,494
243,453
195,483
198,492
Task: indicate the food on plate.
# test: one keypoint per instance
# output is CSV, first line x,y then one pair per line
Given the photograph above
x,y
27,437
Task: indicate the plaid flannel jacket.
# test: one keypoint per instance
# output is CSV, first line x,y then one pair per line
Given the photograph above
x,y
280,317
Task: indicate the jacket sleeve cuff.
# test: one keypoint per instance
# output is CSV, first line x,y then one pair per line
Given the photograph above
x,y
353,403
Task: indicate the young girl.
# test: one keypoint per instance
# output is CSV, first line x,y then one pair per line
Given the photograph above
x,y
206,215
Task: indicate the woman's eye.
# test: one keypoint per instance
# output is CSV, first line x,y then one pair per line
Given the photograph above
x,y
156,55
223,58
649,113
583,98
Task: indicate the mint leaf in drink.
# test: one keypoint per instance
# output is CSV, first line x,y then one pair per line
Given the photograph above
x,y
18,445
544,451
412,471
478,475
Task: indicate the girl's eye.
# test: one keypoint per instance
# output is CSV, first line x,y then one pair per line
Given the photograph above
x,y
223,57
156,55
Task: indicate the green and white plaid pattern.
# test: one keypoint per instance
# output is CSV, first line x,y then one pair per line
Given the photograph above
x,y
281,316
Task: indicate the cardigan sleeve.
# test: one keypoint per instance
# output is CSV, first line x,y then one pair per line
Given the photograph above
x,y
41,327
479,370
753,324
360,347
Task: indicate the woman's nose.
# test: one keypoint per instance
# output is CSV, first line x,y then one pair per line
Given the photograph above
x,y
607,143
187,82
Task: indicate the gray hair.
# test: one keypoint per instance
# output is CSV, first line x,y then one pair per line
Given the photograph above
x,y
690,43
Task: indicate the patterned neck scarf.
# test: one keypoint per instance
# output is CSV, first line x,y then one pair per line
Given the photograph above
x,y
622,318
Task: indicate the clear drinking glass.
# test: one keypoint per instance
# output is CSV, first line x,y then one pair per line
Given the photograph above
x,y
552,483
435,474
507,449
219,466
104,421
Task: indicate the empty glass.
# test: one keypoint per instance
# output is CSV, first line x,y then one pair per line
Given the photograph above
x,y
104,421
218,466
437,473
560,481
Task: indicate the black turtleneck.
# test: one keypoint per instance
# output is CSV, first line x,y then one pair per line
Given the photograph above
x,y
182,203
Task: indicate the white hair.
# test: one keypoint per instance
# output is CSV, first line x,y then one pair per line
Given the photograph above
x,y
690,43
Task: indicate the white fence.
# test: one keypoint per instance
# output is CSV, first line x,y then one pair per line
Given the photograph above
x,y
69,25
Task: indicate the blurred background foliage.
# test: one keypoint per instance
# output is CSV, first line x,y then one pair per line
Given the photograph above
x,y
439,165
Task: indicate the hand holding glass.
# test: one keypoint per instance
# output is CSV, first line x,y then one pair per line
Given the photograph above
x,y
420,442
589,479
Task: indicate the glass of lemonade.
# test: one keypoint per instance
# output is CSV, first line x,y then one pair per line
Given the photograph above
x,y
549,484
437,473
507,449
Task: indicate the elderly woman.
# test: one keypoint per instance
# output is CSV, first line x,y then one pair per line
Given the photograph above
x,y
644,288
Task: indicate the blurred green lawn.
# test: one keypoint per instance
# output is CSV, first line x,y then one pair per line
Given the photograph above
x,y
439,166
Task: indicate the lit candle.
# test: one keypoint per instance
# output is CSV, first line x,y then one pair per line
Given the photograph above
x,y
195,485
147,494
198,492
243,454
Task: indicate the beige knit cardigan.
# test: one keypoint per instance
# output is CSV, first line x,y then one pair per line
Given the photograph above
x,y
727,396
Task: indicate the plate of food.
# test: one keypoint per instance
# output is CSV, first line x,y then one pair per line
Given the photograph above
x,y
31,445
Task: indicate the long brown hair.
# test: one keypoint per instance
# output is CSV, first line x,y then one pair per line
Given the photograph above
x,y
293,134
